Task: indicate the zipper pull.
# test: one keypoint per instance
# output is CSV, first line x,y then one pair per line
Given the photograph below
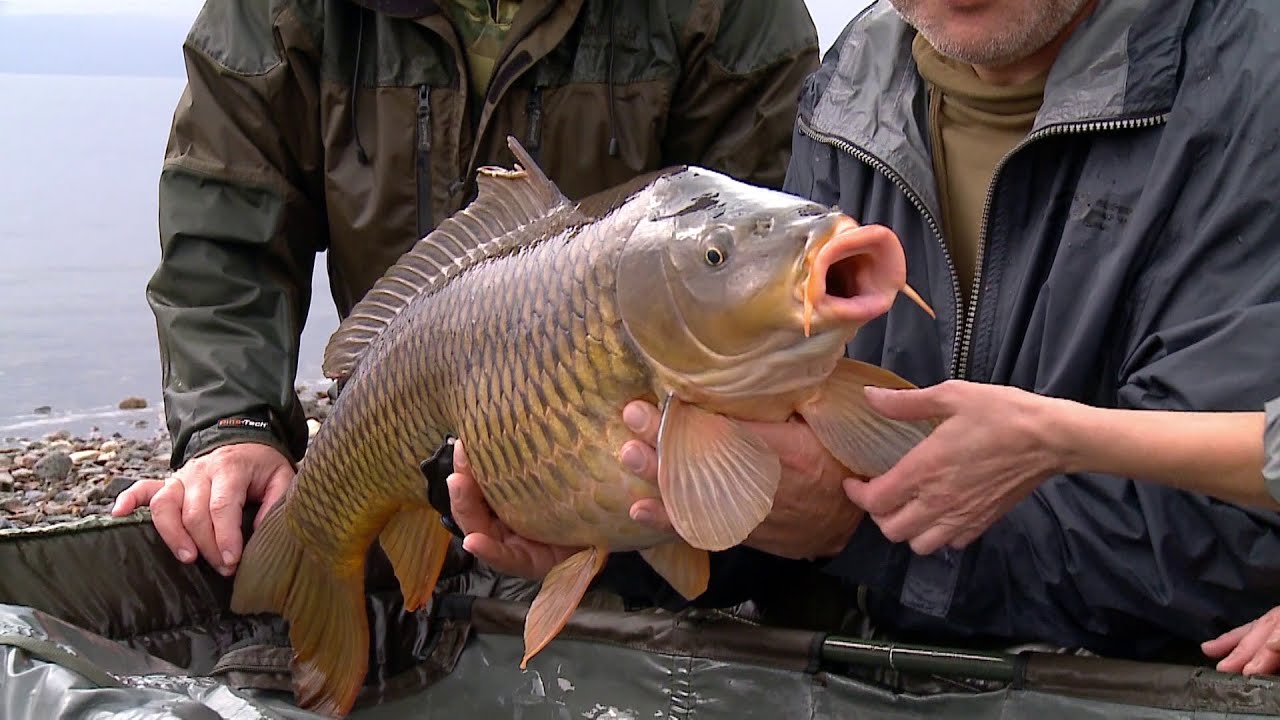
x,y
424,117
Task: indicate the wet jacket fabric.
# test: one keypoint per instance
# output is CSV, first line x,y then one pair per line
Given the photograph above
x,y
272,157
1131,259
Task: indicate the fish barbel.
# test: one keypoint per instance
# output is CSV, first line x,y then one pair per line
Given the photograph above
x,y
523,324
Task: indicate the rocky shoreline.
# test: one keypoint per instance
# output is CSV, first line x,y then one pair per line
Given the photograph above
x,y
62,477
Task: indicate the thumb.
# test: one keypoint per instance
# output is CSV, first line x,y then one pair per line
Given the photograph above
x,y
276,486
905,404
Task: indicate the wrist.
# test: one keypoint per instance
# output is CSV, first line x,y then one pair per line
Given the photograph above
x,y
1064,428
248,427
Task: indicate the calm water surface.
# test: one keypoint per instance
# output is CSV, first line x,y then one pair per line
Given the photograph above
x,y
79,161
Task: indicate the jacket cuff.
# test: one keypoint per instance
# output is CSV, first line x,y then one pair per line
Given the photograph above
x,y
250,427
1271,449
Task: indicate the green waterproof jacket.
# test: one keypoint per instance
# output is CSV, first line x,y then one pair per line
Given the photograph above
x,y
273,157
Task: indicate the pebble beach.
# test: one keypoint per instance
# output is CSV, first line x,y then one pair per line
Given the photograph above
x,y
61,477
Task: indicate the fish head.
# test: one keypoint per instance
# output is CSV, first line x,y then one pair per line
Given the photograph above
x,y
724,285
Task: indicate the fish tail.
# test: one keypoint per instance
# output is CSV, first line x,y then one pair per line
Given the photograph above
x,y
328,627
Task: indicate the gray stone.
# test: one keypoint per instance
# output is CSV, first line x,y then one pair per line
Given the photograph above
x,y
53,467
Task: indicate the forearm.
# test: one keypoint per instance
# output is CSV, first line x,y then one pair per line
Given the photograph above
x,y
229,346
1215,453
238,232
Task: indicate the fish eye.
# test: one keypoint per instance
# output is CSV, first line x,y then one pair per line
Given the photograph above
x,y
718,243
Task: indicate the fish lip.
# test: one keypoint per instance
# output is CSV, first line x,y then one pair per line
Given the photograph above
x,y
840,244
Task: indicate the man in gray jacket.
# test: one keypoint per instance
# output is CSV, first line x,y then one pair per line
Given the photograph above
x,y
1084,191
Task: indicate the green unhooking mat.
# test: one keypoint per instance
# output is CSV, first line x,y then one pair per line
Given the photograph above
x,y
97,620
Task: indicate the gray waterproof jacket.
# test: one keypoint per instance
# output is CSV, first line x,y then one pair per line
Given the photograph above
x,y
1130,258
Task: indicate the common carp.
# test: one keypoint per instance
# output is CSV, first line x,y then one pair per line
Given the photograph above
x,y
523,324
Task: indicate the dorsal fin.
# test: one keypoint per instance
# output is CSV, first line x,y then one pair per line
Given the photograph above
x,y
507,202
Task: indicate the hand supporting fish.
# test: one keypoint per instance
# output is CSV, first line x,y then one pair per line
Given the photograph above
x,y
523,325
811,516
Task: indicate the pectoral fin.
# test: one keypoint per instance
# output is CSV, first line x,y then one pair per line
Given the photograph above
x,y
717,478
865,442
417,544
685,567
559,596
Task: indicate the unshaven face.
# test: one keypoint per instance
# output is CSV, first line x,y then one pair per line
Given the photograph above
x,y
989,32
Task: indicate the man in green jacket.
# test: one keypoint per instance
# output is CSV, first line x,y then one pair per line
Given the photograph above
x,y
354,126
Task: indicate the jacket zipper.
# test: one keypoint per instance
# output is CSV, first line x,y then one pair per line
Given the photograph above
x,y
961,367
884,169
961,345
424,160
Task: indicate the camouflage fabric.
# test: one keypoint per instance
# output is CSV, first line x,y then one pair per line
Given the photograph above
x,y
483,34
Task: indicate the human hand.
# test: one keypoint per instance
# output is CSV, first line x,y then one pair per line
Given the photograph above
x,y
487,537
1252,648
810,517
992,448
200,507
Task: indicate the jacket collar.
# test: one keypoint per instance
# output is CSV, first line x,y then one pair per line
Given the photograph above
x,y
1122,61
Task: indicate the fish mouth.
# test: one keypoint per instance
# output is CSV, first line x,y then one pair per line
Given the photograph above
x,y
854,273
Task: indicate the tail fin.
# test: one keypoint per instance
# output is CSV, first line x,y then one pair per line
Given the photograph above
x,y
326,613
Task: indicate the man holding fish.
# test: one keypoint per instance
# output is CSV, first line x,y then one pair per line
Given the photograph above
x,y
1083,192
355,127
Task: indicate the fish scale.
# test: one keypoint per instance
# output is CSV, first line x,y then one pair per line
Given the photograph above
x,y
524,338
519,438
523,324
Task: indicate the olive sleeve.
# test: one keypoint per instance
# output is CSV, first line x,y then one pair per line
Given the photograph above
x,y
241,219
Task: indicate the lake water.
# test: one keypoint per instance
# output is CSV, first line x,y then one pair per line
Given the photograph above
x,y
79,161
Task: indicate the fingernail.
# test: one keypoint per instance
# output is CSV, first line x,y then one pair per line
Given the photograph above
x,y
634,417
633,458
228,558
643,516
185,555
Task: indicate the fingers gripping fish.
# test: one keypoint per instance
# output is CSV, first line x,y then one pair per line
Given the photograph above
x,y
523,324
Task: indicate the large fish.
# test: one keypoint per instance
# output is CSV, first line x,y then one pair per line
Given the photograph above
x,y
523,324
